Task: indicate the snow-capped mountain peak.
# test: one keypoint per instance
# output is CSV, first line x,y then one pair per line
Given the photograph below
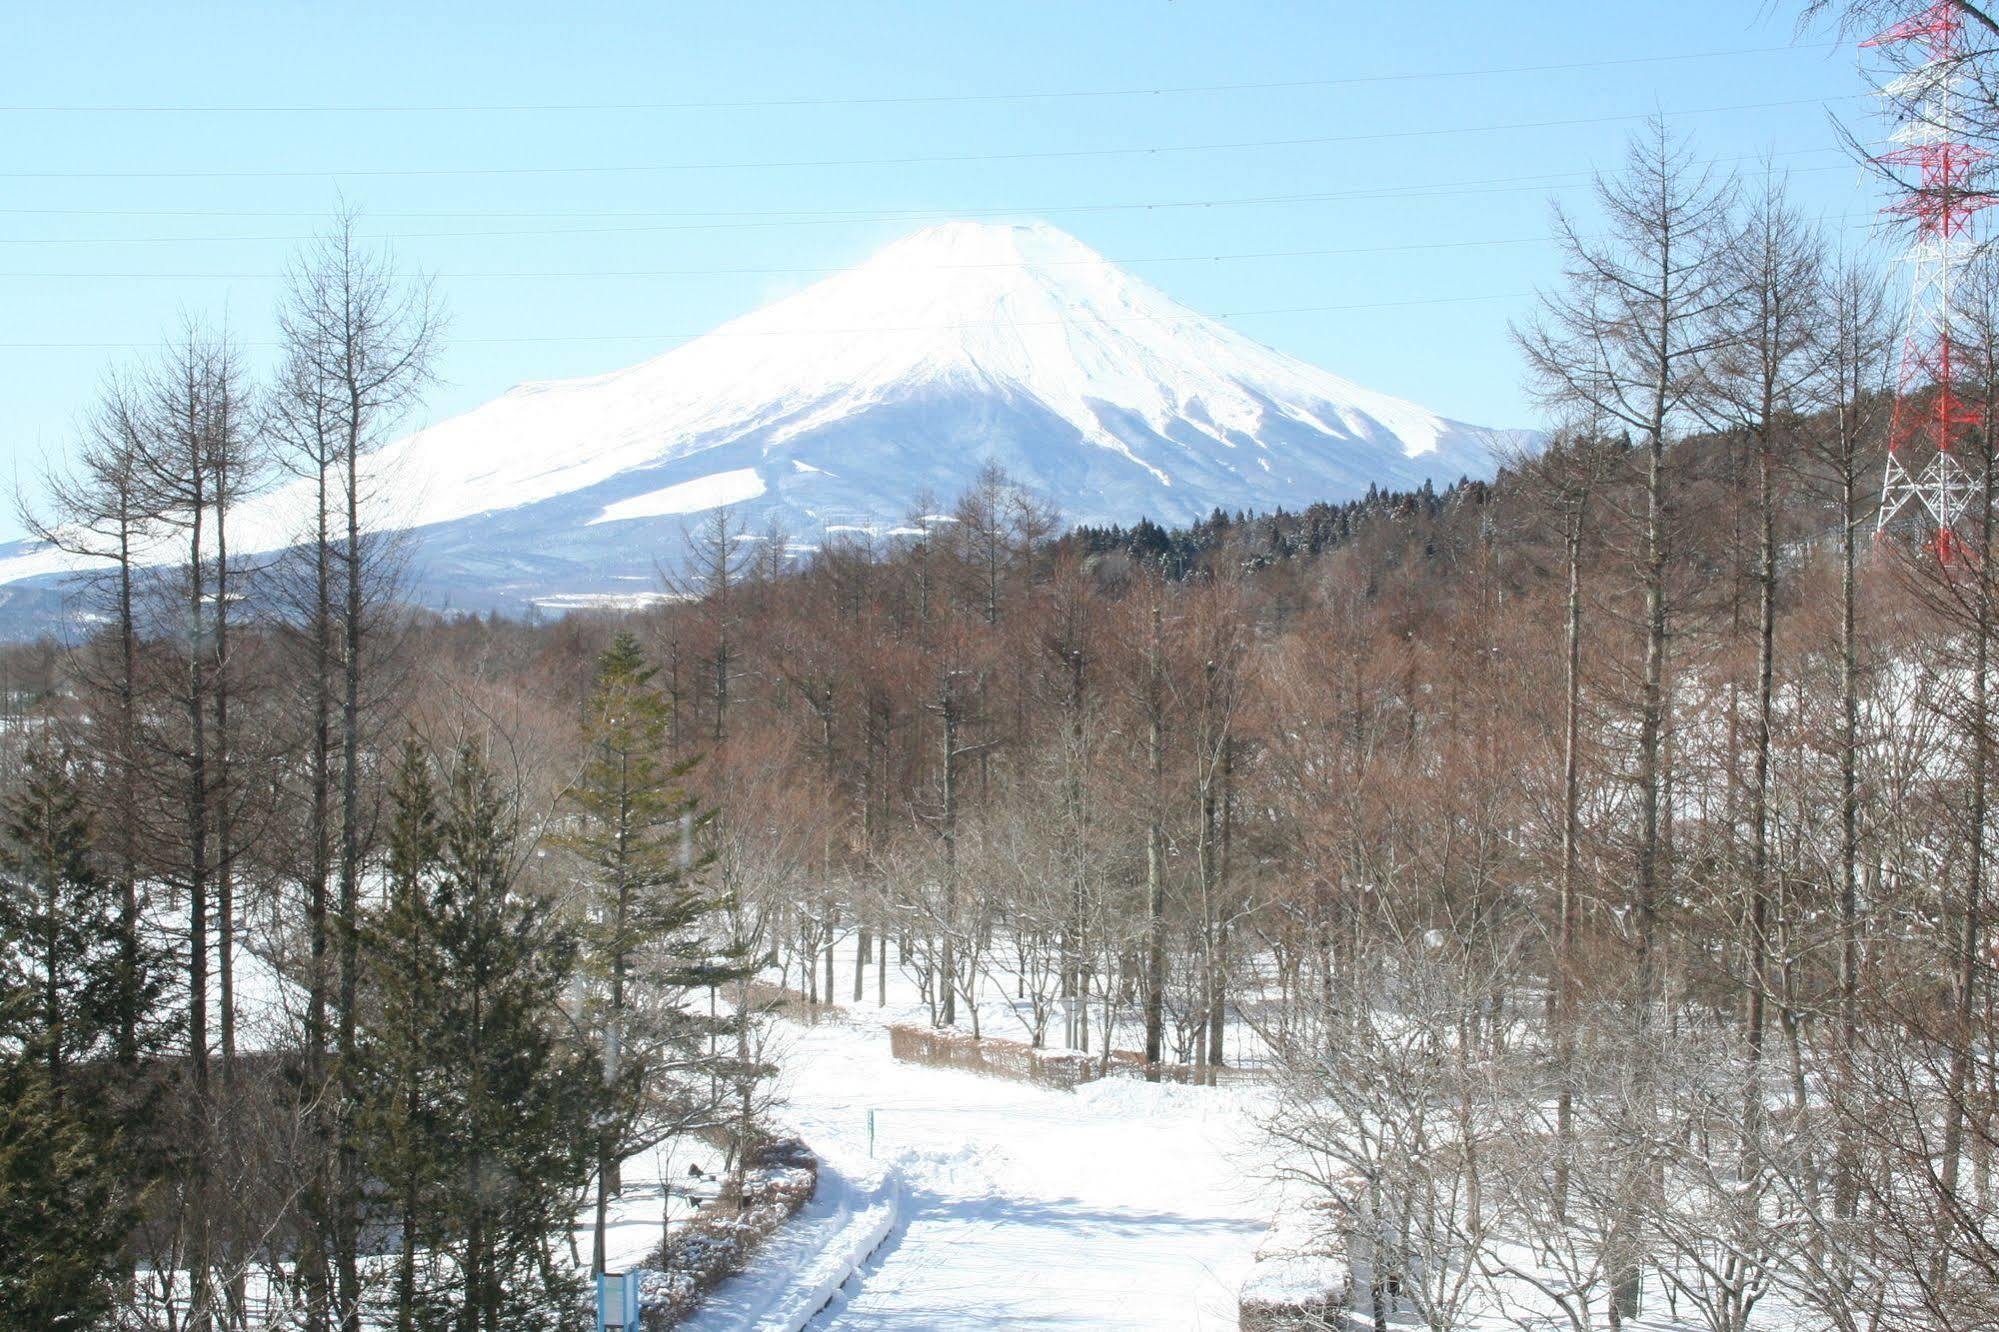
x,y
958,344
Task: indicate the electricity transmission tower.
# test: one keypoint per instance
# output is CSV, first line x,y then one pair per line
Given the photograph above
x,y
1925,486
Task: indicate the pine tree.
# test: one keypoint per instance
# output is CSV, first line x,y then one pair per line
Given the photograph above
x,y
644,949
61,920
399,1118
68,1192
481,1098
64,1208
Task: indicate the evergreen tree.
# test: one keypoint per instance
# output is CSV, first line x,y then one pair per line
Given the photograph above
x,y
644,948
68,1193
62,925
64,1208
481,1101
399,1119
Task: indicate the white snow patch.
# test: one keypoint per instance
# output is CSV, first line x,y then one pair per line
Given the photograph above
x,y
613,601
705,492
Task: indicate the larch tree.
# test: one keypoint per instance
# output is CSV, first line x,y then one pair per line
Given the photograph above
x,y
358,343
1628,338
98,511
1852,370
1768,332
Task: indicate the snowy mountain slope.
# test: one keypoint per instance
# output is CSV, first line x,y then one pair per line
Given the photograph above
x,y
960,344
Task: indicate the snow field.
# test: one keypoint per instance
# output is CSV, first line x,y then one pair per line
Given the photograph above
x,y
1121,1205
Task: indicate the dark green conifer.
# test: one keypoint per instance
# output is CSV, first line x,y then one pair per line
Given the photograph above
x,y
69,1189
481,1098
400,1119
644,906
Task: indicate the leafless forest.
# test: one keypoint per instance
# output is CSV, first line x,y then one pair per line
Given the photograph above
x,y
1594,863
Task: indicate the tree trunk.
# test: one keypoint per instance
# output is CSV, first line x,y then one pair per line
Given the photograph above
x,y
347,1200
1570,907
1846,1187
1155,852
1964,1031
947,703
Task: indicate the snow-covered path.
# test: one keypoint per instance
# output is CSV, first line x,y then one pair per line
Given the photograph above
x,y
1123,1205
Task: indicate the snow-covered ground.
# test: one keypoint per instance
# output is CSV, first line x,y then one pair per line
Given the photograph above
x,y
1123,1205
1120,1205
654,1180
854,1211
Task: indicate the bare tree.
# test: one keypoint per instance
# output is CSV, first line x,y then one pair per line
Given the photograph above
x,y
1850,392
1767,331
1627,338
97,512
359,345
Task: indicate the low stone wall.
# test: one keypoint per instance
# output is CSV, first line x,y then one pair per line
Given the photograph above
x,y
1298,1312
770,997
1131,1064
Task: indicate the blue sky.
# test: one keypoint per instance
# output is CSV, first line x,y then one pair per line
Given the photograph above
x,y
113,223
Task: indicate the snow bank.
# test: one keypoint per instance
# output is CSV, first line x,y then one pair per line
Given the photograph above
x,y
852,1214
1135,1098
781,1181
1300,1279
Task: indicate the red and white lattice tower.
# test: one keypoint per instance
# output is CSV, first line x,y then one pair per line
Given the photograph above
x,y
1926,485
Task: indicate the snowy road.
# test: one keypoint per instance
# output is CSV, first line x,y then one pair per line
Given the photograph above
x,y
1118,1206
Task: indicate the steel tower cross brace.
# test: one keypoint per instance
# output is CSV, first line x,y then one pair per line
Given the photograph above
x,y
1924,479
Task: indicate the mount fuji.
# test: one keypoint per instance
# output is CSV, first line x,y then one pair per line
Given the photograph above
x,y
959,345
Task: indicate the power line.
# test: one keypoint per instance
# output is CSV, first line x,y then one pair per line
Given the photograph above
x,y
1115,261
828,270
834,214
759,221
833,269
1438,190
898,100
847,332
787,214
914,160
